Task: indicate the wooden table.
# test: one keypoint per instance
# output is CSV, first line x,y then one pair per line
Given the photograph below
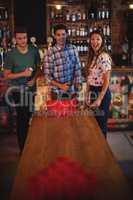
x,y
79,138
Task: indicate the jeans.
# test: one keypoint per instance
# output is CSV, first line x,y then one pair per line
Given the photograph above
x,y
24,108
102,112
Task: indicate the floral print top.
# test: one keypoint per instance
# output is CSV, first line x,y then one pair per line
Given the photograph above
x,y
98,68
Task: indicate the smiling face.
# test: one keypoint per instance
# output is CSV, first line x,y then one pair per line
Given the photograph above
x,y
96,42
21,39
60,37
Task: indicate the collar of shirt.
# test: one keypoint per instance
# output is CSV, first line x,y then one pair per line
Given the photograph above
x,y
61,48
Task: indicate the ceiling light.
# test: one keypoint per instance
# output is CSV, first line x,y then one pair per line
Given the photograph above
x,y
58,7
131,6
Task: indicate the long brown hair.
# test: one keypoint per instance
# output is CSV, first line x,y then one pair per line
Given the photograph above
x,y
91,52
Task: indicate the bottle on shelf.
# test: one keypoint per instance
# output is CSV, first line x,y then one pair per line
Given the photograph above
x,y
78,31
84,17
52,15
78,16
3,13
92,12
67,15
73,17
73,31
103,10
6,14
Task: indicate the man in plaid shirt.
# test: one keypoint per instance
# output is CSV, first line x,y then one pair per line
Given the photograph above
x,y
62,68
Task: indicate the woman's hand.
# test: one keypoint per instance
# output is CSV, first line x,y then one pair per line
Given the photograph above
x,y
96,103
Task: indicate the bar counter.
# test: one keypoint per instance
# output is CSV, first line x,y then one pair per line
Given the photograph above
x,y
79,138
123,69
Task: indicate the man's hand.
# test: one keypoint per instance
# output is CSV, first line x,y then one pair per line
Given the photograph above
x,y
64,86
27,72
9,75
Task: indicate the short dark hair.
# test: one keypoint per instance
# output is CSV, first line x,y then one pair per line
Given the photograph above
x,y
20,30
60,26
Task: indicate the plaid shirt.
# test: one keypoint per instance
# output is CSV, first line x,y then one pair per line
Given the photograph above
x,y
63,66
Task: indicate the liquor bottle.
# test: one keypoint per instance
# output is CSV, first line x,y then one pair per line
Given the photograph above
x,y
86,31
77,31
108,30
69,31
83,16
78,16
83,64
8,33
52,15
86,46
108,44
92,11
2,59
103,14
99,14
6,14
2,14
78,46
73,17
81,47
80,31
107,14
104,29
67,15
73,32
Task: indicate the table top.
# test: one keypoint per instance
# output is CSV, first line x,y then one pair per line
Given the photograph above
x,y
80,139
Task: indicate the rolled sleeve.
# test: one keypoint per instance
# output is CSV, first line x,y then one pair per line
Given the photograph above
x,y
105,61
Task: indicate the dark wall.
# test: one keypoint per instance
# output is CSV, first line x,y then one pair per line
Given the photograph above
x,y
32,15
130,25
130,35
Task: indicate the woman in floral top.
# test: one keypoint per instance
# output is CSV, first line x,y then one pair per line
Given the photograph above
x,y
98,77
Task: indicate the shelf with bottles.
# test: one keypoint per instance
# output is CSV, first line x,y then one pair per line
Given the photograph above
x,y
69,16
79,30
5,29
4,20
76,14
81,20
99,10
82,46
5,36
3,13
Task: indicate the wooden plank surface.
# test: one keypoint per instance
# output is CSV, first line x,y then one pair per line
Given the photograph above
x,y
78,138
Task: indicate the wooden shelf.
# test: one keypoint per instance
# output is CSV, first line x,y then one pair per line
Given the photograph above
x,y
122,69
